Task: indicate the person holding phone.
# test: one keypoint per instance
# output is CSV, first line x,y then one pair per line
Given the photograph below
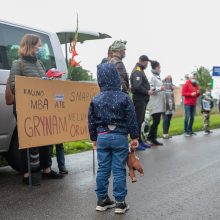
x,y
156,103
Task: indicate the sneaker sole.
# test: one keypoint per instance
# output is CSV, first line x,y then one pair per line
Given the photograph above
x,y
102,209
122,211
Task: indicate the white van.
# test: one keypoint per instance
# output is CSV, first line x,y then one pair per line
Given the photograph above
x,y
10,36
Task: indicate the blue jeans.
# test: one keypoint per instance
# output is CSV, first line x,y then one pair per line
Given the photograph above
x,y
112,154
60,156
189,118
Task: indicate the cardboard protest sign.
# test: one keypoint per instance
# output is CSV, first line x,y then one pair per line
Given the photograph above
x,y
169,102
206,105
52,111
169,97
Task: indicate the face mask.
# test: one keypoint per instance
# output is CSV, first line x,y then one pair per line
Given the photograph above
x,y
194,81
143,67
155,72
40,53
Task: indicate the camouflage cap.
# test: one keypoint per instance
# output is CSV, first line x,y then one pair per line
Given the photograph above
x,y
118,45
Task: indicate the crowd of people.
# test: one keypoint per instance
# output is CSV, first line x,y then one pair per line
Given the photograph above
x,y
113,116
157,94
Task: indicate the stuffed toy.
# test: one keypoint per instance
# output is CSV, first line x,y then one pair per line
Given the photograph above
x,y
134,164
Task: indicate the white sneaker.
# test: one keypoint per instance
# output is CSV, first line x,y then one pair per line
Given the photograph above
x,y
187,135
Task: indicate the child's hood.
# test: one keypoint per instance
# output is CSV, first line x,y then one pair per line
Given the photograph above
x,y
108,77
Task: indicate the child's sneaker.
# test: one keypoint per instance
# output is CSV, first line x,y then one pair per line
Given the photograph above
x,y
105,204
121,207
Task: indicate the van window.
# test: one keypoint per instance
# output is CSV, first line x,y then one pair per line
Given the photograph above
x,y
10,38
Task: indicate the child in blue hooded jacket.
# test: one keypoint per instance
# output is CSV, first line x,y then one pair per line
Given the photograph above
x,y
111,118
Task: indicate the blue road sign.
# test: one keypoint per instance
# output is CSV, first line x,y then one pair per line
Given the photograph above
x,y
216,71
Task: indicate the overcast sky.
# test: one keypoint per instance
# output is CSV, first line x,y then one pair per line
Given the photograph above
x,y
180,34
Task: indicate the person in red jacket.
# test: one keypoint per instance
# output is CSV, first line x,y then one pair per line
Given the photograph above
x,y
190,92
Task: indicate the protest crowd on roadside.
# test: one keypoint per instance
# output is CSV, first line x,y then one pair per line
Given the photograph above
x,y
116,115
112,118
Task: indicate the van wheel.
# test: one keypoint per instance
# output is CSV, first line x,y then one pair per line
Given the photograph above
x,y
14,158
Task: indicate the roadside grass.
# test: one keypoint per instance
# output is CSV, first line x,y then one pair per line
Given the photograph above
x,y
77,147
177,124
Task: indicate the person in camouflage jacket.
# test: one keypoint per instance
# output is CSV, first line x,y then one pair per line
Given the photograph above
x,y
207,104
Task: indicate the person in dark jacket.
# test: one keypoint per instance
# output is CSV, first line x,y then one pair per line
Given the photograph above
x,y
111,118
140,89
118,53
29,66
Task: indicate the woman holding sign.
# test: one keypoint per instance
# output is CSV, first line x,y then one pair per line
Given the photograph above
x,y
29,65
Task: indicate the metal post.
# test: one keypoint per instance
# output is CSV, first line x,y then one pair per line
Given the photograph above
x,y
93,162
29,168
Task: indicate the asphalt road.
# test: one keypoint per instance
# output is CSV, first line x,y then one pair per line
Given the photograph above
x,y
182,181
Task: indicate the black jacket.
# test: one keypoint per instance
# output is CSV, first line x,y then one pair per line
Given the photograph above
x,y
139,84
